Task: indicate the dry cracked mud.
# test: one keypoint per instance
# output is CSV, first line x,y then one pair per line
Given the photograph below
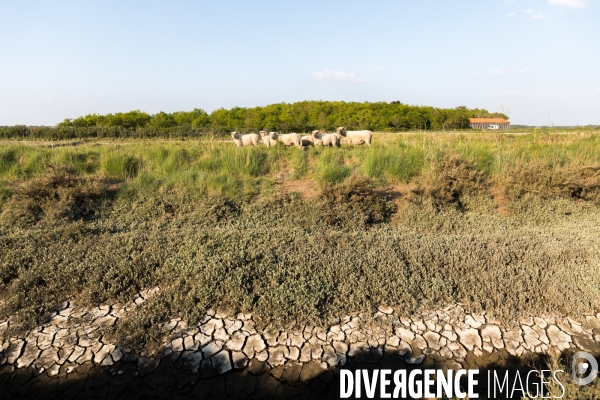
x,y
225,356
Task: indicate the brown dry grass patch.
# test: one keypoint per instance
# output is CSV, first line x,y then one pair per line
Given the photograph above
x,y
306,188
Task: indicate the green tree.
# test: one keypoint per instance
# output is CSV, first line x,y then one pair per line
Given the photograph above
x,y
163,120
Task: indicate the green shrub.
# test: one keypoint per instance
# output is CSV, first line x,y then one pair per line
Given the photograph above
x,y
354,204
449,181
59,197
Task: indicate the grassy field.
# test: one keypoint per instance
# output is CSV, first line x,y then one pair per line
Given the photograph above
x,y
504,223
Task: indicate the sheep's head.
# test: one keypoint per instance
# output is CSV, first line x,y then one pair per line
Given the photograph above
x,y
341,131
262,133
273,134
234,135
314,133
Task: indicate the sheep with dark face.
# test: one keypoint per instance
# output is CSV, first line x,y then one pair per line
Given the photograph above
x,y
355,137
267,138
309,140
250,139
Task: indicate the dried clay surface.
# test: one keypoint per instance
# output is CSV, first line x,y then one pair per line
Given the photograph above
x,y
225,356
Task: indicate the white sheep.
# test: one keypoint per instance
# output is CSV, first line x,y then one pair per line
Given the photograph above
x,y
288,139
317,138
355,137
267,138
245,140
309,140
328,139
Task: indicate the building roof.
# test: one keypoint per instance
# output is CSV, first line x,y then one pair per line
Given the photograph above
x,y
488,120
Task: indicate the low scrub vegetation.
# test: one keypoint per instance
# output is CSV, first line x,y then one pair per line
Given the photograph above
x,y
508,225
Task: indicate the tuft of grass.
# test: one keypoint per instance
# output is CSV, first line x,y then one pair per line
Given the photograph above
x,y
330,168
21,161
247,161
393,164
300,164
120,166
8,159
480,155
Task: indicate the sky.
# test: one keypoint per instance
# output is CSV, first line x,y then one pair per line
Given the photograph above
x,y
538,60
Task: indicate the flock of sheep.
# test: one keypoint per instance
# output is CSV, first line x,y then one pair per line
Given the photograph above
x,y
294,139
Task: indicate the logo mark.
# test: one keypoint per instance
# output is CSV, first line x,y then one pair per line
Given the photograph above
x,y
584,368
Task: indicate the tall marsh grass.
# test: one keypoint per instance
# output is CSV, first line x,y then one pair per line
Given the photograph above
x,y
388,164
330,167
210,166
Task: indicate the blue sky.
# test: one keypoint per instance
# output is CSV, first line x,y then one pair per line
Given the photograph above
x,y
540,59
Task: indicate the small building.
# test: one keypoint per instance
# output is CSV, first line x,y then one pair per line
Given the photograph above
x,y
489,123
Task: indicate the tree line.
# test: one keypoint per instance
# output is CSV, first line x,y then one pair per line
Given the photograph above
x,y
303,116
